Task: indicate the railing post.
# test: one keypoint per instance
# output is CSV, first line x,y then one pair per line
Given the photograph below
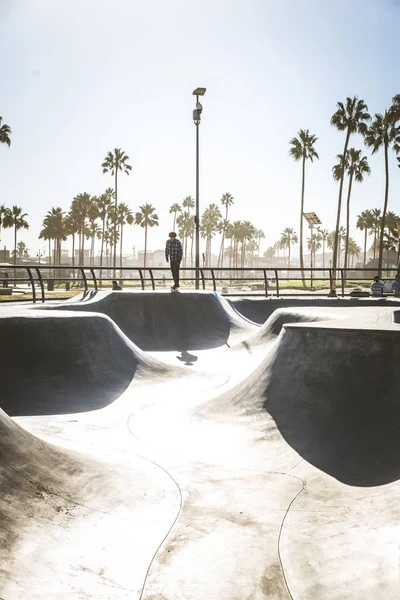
x,y
32,284
213,280
277,282
39,274
342,278
330,282
141,278
265,281
202,278
397,293
82,270
94,278
152,279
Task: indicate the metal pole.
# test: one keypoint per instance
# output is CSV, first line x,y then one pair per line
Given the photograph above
x,y
197,265
312,247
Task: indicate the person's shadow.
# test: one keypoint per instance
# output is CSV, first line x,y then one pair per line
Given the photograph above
x,y
187,358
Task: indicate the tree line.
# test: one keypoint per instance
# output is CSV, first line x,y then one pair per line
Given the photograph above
x,y
380,132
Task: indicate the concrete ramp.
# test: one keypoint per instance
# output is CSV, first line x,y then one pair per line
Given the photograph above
x,y
75,527
63,362
332,389
169,321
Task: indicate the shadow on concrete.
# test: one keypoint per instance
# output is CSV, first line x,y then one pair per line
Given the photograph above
x,y
334,396
64,363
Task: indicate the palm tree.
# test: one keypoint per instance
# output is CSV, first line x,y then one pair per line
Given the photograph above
x,y
353,249
383,133
80,207
364,223
146,218
356,169
5,132
93,226
376,225
125,217
210,224
174,209
116,161
303,149
260,236
350,117
323,236
55,222
104,204
15,218
3,211
227,201
188,203
313,245
288,237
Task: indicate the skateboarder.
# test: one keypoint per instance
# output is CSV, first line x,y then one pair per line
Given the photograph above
x,y
116,286
173,254
377,286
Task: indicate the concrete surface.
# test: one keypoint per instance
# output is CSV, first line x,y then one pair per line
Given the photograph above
x,y
264,465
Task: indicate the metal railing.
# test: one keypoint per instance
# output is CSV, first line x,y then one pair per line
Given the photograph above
x,y
29,282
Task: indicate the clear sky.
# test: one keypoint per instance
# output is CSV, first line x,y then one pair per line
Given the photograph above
x,y
81,77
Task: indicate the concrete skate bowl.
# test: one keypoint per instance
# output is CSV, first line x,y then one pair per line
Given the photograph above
x,y
271,329
62,363
170,322
258,310
333,394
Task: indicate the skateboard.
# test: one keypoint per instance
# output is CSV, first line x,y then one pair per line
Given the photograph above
x,y
175,291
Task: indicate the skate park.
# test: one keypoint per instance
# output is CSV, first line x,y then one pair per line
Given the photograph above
x,y
167,446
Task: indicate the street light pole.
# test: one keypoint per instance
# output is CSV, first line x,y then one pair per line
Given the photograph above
x,y
196,118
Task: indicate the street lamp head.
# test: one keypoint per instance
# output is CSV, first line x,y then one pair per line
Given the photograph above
x,y
199,91
199,107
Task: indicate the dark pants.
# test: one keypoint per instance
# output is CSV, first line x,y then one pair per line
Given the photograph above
x,y
175,264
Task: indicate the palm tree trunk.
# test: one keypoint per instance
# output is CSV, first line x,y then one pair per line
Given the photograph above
x,y
49,251
145,246
303,178
73,256
115,216
323,256
365,246
120,251
339,208
173,227
380,257
346,250
15,250
289,255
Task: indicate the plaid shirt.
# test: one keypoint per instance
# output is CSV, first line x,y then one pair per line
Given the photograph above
x,y
173,250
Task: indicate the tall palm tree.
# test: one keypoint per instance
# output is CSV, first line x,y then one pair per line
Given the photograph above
x,y
188,203
260,236
353,250
113,163
376,217
248,233
288,237
146,218
226,201
104,203
364,223
80,207
3,211
174,209
313,245
56,224
323,236
71,226
93,226
383,133
351,117
125,217
357,167
302,148
210,225
15,218
5,132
